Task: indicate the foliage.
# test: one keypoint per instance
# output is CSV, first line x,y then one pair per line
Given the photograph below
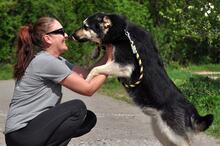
x,y
17,13
190,30
7,29
185,31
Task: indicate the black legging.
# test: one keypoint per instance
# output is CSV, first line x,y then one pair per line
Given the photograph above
x,y
55,127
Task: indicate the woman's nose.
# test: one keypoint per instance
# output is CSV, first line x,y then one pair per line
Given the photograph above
x,y
66,36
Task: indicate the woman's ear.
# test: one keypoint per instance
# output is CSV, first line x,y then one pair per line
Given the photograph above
x,y
46,39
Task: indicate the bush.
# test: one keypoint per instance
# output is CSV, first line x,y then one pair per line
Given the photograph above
x,y
188,31
185,31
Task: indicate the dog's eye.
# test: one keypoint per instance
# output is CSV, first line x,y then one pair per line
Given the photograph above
x,y
96,26
99,19
85,27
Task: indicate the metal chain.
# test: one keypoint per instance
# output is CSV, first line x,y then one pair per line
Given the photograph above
x,y
134,50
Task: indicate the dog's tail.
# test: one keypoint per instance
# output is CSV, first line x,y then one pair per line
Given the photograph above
x,y
201,123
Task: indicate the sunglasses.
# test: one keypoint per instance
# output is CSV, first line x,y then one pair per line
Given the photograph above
x,y
58,31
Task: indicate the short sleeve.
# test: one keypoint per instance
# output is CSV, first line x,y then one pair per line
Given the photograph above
x,y
55,70
70,65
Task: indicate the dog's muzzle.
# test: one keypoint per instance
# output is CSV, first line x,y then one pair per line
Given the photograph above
x,y
76,38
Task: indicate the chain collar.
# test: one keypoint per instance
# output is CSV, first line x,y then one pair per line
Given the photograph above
x,y
134,50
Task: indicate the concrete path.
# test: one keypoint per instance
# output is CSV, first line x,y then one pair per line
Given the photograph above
x,y
119,123
212,75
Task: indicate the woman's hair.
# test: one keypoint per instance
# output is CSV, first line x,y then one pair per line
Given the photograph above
x,y
28,38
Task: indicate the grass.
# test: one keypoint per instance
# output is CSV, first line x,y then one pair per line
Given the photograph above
x,y
203,92
6,71
113,88
206,67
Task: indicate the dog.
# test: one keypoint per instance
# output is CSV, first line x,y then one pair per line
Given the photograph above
x,y
139,67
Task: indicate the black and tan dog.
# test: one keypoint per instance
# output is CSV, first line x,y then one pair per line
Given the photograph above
x,y
138,66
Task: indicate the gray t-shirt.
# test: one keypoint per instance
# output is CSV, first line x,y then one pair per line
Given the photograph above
x,y
38,90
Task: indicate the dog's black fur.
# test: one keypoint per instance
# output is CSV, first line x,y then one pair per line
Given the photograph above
x,y
174,117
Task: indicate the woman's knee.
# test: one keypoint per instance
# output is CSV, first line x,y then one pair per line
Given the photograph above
x,y
88,124
75,104
75,108
90,120
91,116
78,106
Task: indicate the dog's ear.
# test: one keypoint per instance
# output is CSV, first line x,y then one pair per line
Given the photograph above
x,y
106,22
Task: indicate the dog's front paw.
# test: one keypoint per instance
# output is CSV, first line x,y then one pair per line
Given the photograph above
x,y
89,77
92,74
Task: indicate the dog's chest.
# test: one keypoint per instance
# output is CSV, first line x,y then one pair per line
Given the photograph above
x,y
122,54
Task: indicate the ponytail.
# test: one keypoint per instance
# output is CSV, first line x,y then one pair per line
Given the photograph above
x,y
24,52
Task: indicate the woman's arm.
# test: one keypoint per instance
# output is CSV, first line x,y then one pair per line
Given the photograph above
x,y
78,84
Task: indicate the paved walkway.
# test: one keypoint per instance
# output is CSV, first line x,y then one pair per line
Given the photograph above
x,y
212,75
119,123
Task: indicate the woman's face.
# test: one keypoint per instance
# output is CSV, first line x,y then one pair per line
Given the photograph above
x,y
57,37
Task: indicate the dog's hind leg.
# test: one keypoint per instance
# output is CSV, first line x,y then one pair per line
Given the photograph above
x,y
166,135
111,68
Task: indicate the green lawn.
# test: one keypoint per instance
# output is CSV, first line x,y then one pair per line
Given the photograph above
x,y
202,91
5,71
206,67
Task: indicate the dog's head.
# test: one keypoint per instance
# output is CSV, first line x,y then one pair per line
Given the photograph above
x,y
97,28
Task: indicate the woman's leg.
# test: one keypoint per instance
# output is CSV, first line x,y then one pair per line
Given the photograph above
x,y
65,143
40,130
68,130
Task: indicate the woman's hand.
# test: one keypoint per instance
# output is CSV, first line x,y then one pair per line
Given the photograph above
x,y
109,52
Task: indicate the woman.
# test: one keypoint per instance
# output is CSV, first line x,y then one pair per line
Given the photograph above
x,y
36,117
